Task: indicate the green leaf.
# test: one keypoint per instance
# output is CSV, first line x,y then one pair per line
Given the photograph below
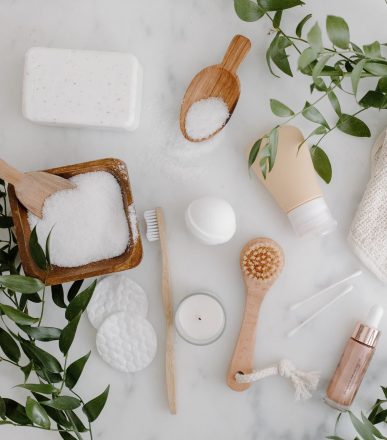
x,y
314,38
335,437
321,163
77,421
40,357
338,31
254,152
2,408
363,430
278,5
319,66
56,415
356,48
48,240
27,370
37,414
58,296
373,99
93,408
248,10
17,316
63,403
313,114
5,222
280,109
269,53
334,102
39,388
356,74
16,412
319,130
352,125
277,19
382,85
384,389
37,253
371,427
48,375
278,54
68,334
80,302
74,289
21,283
307,57
66,436
273,142
42,333
75,370
301,25
9,346
377,69
372,50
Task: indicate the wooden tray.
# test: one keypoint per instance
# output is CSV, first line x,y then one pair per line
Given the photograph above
x,y
58,275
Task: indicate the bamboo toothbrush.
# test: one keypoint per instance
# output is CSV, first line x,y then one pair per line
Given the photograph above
x,y
261,262
156,230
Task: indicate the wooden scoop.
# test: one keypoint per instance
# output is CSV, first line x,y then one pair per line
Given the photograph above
x,y
261,262
218,81
32,189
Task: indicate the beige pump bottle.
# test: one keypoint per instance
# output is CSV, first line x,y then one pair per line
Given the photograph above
x,y
293,184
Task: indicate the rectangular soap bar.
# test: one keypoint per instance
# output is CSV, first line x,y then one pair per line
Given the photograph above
x,y
82,88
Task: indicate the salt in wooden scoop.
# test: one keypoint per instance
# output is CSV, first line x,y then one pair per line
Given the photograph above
x,y
217,81
32,189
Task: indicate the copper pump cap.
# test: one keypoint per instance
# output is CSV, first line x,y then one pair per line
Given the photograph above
x,y
366,335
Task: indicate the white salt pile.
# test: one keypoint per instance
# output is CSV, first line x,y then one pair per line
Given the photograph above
x,y
88,223
205,117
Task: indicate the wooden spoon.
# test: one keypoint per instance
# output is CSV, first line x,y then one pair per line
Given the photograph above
x,y
32,189
219,81
261,262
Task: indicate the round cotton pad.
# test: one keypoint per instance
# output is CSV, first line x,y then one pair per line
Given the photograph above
x,y
116,293
128,343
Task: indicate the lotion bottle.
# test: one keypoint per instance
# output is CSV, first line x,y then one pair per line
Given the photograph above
x,y
354,361
293,184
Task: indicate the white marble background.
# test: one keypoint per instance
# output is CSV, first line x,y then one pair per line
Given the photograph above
x,y
174,39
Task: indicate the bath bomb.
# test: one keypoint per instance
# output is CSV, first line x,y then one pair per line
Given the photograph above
x,y
116,293
126,342
211,220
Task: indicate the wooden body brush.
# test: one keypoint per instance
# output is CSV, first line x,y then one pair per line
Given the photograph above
x,y
261,262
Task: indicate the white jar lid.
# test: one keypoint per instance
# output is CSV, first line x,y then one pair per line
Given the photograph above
x,y
313,217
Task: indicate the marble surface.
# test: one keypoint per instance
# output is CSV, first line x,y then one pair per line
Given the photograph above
x,y
173,40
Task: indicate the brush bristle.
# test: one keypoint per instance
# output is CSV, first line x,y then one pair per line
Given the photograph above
x,y
262,262
152,226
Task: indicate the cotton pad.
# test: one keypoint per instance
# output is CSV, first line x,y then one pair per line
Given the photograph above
x,y
116,293
128,343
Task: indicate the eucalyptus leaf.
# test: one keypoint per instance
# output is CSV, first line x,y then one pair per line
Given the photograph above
x,y
68,334
279,5
17,316
57,415
39,388
319,66
373,99
80,302
67,436
248,10
377,69
74,289
277,19
77,421
314,38
280,109
75,370
26,369
278,54
321,163
273,142
301,25
58,296
372,50
21,283
63,403
42,333
364,431
382,85
9,346
311,113
306,58
338,31
2,408
93,408
371,427
352,125
356,74
16,412
41,357
334,102
36,251
37,414
254,152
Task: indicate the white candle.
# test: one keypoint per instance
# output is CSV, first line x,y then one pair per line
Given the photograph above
x,y
200,318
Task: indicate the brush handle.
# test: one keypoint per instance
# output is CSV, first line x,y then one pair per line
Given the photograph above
x,y
236,53
243,357
168,310
10,174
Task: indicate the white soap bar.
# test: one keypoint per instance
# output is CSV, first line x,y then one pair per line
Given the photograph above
x,y
82,88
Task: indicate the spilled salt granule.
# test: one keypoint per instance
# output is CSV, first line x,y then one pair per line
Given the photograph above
x,y
205,117
88,222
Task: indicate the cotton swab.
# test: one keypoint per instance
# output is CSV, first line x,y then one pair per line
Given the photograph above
x,y
326,289
315,314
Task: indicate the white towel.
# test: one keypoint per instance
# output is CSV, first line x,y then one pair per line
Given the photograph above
x,y
368,233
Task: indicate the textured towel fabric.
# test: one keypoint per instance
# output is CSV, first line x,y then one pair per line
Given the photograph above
x,y
368,233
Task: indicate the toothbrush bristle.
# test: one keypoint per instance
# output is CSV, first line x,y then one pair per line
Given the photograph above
x,y
152,227
262,262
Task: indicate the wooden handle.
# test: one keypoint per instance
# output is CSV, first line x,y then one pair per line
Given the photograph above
x,y
243,357
236,52
10,174
168,310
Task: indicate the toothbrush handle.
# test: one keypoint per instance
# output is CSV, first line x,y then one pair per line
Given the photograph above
x,y
168,310
243,357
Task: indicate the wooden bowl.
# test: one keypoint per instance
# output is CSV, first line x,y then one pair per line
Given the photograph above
x,y
59,275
